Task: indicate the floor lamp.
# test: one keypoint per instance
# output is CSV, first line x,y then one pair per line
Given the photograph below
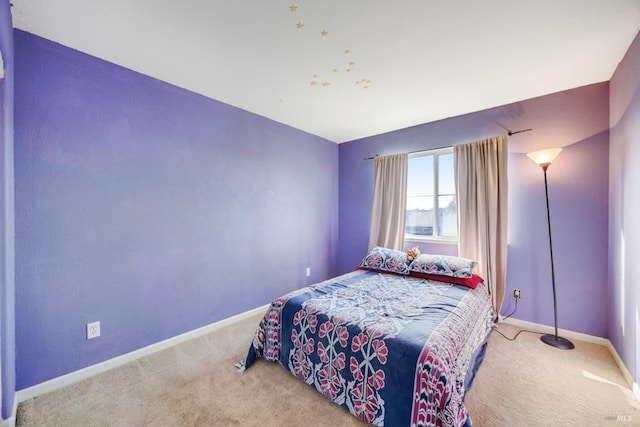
x,y
544,159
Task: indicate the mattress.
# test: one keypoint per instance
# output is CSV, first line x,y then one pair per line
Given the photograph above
x,y
393,350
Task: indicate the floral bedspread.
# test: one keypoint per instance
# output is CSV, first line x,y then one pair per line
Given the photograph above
x,y
393,350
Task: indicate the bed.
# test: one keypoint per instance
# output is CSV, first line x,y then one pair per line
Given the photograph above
x,y
392,346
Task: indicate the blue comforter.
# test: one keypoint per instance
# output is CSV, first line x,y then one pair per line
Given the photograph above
x,y
393,350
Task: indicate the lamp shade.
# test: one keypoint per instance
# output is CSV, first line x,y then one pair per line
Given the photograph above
x,y
544,157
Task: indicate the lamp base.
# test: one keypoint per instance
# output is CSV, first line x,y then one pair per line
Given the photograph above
x,y
557,342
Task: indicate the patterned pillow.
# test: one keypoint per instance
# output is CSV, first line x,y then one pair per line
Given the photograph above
x,y
383,259
443,265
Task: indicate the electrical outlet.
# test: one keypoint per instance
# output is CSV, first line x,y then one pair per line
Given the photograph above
x,y
93,330
516,294
308,272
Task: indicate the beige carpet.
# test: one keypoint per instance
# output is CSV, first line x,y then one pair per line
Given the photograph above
x,y
521,383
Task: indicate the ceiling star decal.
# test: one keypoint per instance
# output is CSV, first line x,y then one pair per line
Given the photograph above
x,y
364,82
336,70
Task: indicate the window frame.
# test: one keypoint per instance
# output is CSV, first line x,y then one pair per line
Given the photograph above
x,y
436,238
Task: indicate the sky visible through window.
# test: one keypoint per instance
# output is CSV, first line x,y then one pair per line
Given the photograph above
x,y
420,180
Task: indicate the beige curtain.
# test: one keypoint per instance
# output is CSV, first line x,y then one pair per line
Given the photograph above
x,y
389,201
481,189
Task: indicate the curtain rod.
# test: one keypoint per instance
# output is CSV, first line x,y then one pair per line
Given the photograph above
x,y
438,148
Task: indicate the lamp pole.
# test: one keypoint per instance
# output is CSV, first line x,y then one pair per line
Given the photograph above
x,y
553,340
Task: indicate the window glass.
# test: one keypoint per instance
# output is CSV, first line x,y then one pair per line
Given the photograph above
x,y
447,210
431,198
420,201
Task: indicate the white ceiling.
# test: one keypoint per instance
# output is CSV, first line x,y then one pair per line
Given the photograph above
x,y
347,69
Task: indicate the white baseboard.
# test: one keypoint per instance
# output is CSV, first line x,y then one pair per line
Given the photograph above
x,y
11,421
551,330
89,371
583,337
79,375
623,368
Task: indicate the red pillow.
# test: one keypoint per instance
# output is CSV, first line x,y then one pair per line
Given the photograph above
x,y
470,282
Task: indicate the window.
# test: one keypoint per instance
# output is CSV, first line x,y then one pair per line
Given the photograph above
x,y
431,195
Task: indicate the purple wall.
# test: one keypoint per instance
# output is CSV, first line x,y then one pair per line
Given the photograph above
x,y
577,120
156,210
7,247
151,209
624,210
